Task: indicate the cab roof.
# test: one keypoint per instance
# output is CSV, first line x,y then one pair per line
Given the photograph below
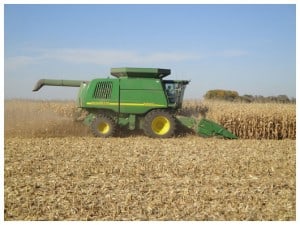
x,y
156,73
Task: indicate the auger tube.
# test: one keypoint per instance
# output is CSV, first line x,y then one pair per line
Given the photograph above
x,y
50,82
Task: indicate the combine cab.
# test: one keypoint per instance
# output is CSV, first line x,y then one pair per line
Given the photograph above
x,y
137,98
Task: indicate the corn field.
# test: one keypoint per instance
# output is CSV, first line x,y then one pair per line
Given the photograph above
x,y
251,120
54,169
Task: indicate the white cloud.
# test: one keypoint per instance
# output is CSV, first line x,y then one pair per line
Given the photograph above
x,y
97,57
109,57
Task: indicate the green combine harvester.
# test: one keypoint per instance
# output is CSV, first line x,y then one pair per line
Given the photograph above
x,y
138,98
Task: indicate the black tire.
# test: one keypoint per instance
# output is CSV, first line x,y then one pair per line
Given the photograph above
x,y
103,126
159,124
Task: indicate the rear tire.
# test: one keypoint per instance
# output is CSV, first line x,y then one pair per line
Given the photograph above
x,y
103,126
159,124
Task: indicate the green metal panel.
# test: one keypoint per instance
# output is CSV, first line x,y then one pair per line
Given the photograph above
x,y
188,122
140,72
208,128
132,121
139,95
81,96
127,120
205,128
102,94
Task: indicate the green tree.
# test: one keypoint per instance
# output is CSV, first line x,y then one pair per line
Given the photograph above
x,y
220,94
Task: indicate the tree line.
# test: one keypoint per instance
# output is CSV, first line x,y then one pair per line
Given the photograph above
x,y
234,96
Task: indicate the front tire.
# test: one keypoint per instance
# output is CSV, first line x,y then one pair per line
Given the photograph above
x,y
103,126
159,124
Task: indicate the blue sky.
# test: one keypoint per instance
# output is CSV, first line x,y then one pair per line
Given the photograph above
x,y
247,48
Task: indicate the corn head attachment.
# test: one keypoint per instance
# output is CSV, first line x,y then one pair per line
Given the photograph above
x,y
205,127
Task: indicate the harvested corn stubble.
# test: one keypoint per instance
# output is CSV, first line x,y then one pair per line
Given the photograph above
x,y
139,178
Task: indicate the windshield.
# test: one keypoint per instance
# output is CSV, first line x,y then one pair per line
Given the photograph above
x,y
174,91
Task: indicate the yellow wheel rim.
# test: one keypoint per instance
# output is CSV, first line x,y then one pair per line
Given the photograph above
x,y
160,125
103,128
